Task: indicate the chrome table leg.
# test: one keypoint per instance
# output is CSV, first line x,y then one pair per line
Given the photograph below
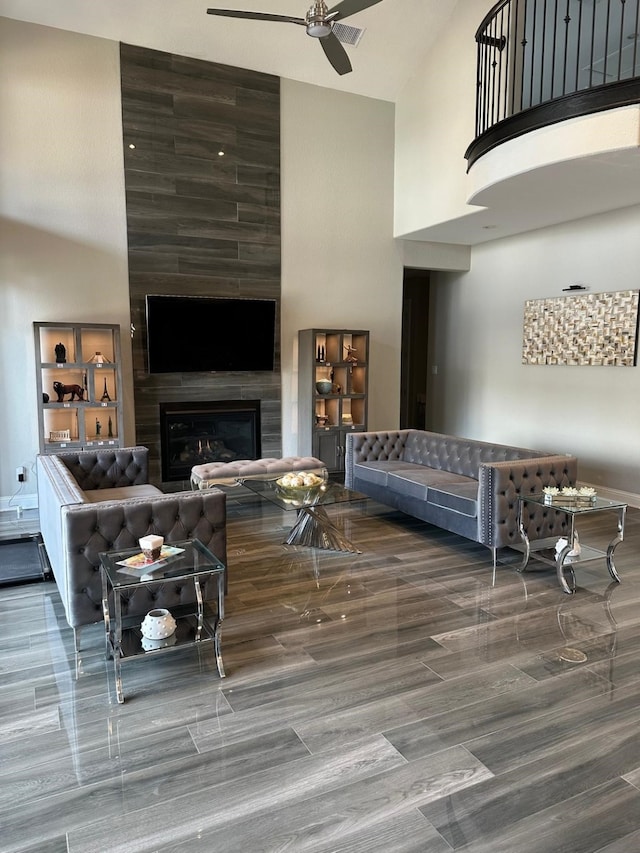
x,y
617,539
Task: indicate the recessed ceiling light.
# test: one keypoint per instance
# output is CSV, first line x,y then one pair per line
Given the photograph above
x,y
131,145
220,153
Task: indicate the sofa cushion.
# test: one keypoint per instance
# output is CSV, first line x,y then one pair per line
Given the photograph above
x,y
459,497
107,468
145,490
416,480
459,455
378,472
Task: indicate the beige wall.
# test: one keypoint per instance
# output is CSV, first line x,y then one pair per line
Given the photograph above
x,y
63,228
340,265
483,390
62,217
435,117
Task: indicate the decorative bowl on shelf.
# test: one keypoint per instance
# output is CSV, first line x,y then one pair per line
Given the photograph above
x,y
324,386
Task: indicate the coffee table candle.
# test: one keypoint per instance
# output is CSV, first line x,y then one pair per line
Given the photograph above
x,y
151,546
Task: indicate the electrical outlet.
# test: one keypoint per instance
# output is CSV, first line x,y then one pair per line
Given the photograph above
x,y
21,474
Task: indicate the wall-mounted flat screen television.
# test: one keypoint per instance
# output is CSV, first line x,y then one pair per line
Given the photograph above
x,y
188,334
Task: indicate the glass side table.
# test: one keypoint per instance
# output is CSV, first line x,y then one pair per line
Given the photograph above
x,y
544,549
124,641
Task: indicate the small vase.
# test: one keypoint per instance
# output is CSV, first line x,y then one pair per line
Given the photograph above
x,y
158,624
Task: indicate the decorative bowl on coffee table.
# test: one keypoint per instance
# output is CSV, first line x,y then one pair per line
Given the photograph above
x,y
300,486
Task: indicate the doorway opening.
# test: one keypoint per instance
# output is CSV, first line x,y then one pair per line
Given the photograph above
x,y
415,349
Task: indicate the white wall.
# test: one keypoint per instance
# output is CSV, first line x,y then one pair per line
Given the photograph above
x,y
63,242
483,390
341,267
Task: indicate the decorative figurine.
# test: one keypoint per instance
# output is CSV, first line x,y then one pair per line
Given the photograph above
x,y
351,354
98,427
45,397
105,394
110,427
74,390
61,353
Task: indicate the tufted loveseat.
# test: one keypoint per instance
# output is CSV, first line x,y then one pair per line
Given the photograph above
x,y
464,486
94,501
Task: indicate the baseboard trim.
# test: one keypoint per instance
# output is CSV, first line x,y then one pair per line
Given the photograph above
x,y
629,498
25,501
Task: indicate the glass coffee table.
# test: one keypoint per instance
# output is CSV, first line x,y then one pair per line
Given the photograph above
x,y
562,559
195,564
313,527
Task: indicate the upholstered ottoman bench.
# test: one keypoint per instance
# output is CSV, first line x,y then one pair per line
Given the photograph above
x,y
229,473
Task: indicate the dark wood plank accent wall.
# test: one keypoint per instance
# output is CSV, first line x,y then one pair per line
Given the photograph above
x,y
199,222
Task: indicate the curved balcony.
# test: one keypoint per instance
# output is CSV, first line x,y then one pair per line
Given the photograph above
x,y
544,61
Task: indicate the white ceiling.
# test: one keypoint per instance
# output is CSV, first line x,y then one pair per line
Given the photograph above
x,y
398,33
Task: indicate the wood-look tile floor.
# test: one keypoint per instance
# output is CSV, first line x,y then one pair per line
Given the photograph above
x,y
399,700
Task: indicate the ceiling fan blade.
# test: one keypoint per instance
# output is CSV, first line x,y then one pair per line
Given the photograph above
x,y
350,7
335,53
256,16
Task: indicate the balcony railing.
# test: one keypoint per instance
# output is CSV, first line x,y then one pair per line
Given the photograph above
x,y
542,61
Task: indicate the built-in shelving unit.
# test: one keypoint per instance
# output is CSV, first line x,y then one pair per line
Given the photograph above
x,y
326,413
85,359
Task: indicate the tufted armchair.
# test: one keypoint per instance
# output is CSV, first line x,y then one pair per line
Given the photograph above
x,y
465,486
94,501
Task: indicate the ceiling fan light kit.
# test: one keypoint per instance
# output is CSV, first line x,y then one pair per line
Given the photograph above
x,y
318,23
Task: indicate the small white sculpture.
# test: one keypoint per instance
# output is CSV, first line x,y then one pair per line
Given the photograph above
x,y
562,543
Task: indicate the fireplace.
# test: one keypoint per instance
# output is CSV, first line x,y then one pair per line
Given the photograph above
x,y
216,431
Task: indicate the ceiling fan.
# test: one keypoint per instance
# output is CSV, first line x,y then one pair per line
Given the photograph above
x,y
318,22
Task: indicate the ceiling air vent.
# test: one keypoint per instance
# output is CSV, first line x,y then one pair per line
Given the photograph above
x,y
348,35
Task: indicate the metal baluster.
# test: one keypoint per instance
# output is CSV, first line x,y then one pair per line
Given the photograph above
x,y
636,33
542,52
622,11
578,46
567,21
606,43
554,44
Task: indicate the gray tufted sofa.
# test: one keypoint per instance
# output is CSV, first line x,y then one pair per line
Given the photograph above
x,y
94,501
464,486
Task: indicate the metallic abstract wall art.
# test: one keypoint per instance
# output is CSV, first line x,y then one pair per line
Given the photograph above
x,y
593,329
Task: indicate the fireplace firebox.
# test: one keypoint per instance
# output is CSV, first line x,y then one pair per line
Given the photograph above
x,y
214,431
